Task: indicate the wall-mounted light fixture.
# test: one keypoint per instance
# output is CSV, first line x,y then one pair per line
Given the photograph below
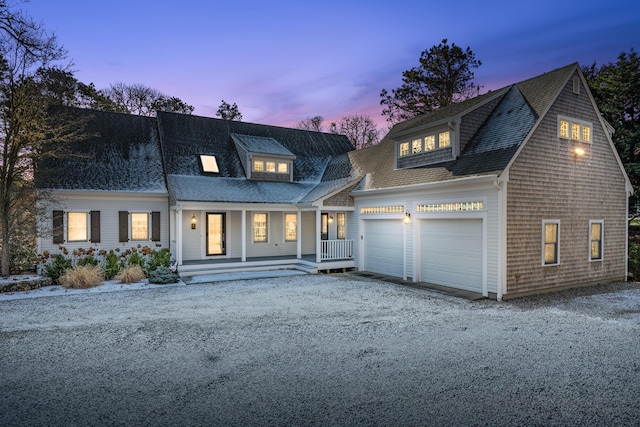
x,y
578,151
330,219
407,217
193,222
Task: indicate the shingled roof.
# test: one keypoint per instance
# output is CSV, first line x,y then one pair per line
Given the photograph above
x,y
490,150
116,152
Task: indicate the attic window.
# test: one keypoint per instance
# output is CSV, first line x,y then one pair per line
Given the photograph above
x,y
209,164
577,130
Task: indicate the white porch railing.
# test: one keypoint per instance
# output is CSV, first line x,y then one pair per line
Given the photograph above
x,y
336,249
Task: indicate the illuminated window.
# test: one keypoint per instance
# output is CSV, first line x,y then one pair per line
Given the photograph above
x,y
416,146
140,226
259,227
404,149
283,168
430,143
564,129
595,238
586,133
577,130
209,164
341,219
290,227
258,165
444,139
551,239
271,167
77,226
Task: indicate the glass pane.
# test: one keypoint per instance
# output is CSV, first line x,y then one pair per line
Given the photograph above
x,y
215,234
341,226
290,223
140,226
550,233
258,166
416,146
430,142
575,131
444,140
596,230
77,228
404,149
586,133
260,227
564,129
271,166
282,168
595,249
550,253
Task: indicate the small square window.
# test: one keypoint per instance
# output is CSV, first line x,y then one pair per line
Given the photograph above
x,y
404,149
283,168
209,164
258,165
564,129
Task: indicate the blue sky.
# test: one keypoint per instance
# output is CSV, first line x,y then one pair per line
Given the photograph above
x,y
283,61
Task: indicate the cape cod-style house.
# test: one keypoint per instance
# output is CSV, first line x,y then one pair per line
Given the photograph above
x,y
516,191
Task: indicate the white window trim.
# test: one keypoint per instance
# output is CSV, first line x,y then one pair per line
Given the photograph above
x,y
571,121
601,222
423,144
544,229
253,227
344,216
284,229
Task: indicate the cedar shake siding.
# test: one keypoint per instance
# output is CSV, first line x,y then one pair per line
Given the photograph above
x,y
547,181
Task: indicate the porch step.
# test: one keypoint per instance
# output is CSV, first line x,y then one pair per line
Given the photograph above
x,y
239,275
248,267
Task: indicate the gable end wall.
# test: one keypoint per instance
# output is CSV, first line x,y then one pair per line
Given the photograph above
x,y
548,181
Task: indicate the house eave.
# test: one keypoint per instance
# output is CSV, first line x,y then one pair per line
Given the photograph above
x,y
478,179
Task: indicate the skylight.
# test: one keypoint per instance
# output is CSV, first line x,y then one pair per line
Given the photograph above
x,y
209,163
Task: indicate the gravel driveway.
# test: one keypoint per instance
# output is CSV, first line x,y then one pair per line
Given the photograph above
x,y
320,350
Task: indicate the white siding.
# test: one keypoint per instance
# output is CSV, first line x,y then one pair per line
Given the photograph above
x,y
109,204
467,191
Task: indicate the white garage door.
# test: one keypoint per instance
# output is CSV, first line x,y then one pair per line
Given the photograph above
x,y
451,253
383,247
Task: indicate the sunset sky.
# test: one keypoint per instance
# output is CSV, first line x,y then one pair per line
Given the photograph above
x,y
284,61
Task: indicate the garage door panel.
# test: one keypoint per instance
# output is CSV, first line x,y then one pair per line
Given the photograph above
x,y
451,253
383,251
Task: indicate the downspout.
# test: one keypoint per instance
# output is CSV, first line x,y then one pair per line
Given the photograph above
x,y
502,244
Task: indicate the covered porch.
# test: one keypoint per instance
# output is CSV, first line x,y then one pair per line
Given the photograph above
x,y
210,238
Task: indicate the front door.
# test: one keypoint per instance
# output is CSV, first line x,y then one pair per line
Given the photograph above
x,y
324,226
216,234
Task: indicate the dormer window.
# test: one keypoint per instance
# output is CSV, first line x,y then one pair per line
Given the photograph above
x,y
264,159
431,142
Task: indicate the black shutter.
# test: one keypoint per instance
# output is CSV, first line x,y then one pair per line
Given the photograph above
x,y
95,226
123,220
58,227
155,226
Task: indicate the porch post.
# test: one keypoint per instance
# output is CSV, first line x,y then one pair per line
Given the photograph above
x,y
179,236
243,233
299,235
318,242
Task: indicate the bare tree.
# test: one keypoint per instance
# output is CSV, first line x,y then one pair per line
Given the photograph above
x,y
25,48
227,111
143,100
312,123
360,130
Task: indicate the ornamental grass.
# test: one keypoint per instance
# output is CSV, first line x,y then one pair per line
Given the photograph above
x,y
82,277
131,274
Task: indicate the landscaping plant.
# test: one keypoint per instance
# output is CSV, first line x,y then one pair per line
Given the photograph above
x,y
82,277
